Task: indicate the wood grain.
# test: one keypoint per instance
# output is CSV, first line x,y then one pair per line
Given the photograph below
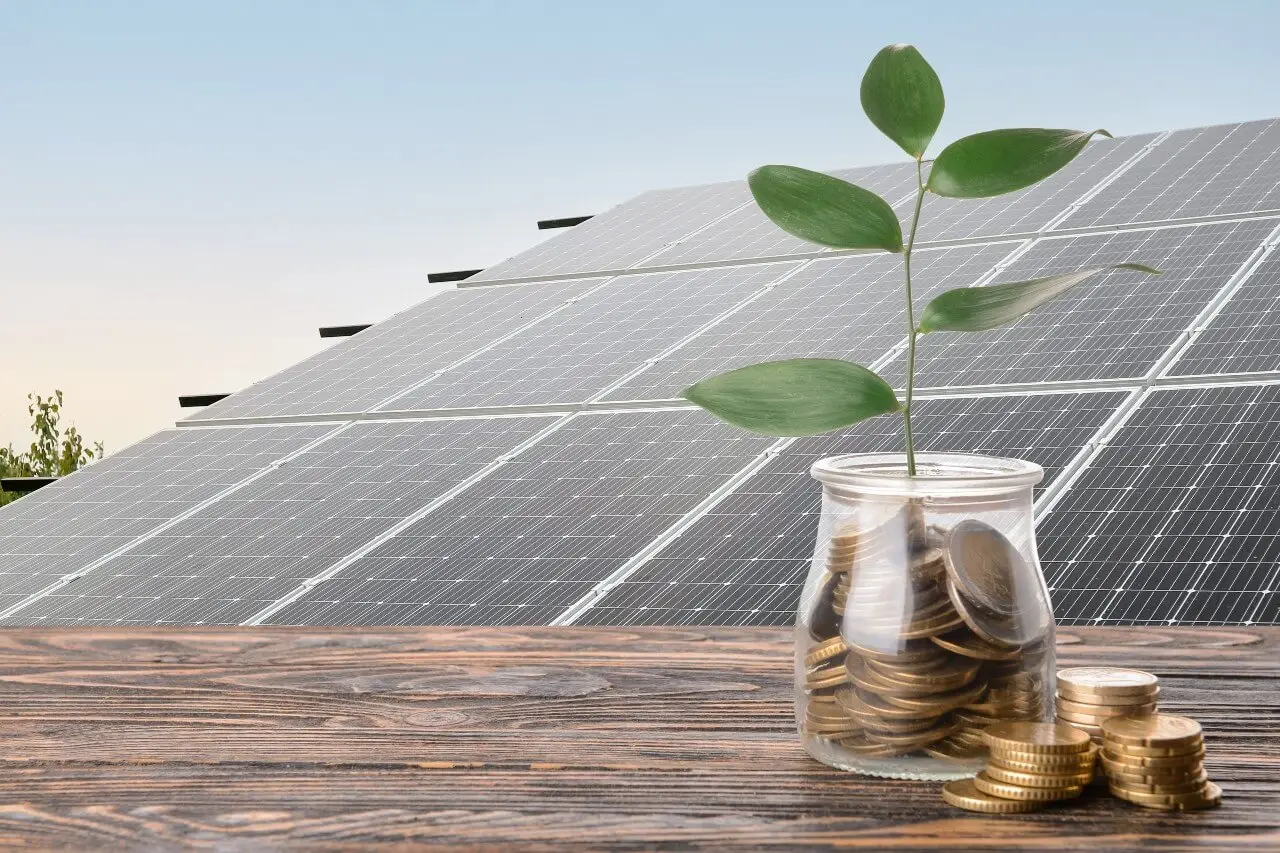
x,y
540,738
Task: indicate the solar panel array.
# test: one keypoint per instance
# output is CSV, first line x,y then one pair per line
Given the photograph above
x,y
515,451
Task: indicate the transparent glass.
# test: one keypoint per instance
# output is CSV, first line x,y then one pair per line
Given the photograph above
x,y
925,616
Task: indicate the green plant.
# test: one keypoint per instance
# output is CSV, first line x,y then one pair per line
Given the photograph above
x,y
902,96
53,453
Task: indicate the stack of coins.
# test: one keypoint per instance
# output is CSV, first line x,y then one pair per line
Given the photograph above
x,y
1031,765
1157,761
1089,695
930,658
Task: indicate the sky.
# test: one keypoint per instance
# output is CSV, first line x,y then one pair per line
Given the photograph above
x,y
188,190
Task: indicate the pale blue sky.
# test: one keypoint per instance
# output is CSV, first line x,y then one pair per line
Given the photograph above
x,y
188,189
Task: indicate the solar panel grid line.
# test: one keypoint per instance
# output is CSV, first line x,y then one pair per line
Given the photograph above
x,y
1222,302
1213,307
743,561
611,271
166,525
744,475
390,533
1104,183
482,350
1062,484
642,556
1188,492
711,324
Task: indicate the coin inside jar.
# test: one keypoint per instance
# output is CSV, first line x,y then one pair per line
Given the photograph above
x,y
984,566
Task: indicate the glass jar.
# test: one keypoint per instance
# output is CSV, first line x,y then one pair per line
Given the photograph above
x,y
925,616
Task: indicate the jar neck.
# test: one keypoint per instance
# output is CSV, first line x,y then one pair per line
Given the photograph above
x,y
940,476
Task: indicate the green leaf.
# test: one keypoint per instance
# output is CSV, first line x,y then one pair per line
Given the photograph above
x,y
902,96
976,309
825,210
1002,161
801,396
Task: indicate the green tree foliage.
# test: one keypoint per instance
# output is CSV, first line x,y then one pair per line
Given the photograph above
x,y
53,453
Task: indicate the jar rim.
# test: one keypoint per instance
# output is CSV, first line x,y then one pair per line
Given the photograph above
x,y
938,474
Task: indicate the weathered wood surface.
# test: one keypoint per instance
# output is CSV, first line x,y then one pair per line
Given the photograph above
x,y
244,739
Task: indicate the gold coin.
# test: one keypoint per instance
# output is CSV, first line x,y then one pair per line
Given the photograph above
x,y
964,794
824,622
968,644
939,702
1091,730
1208,796
1076,708
910,651
1036,737
1098,700
1047,761
1195,747
1182,786
997,629
833,677
949,750
912,740
1154,762
987,785
1038,779
984,566
825,650
932,627
969,739
861,702
1138,779
1029,764
859,744
1152,730
1087,719
954,673
1108,681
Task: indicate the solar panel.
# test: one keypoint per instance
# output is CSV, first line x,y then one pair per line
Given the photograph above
x,y
624,235
1115,326
849,307
1035,207
392,356
526,542
747,233
85,516
511,452
1175,521
577,353
1204,171
233,558
1242,337
745,561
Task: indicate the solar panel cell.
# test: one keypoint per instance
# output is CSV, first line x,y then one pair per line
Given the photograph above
x,y
1174,521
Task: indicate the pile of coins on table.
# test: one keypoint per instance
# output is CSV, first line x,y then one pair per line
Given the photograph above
x,y
1031,765
1149,759
1090,695
934,653
1157,761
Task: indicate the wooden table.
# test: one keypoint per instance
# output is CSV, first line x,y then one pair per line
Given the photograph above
x,y
491,737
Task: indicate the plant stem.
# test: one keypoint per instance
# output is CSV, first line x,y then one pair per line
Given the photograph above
x,y
911,323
